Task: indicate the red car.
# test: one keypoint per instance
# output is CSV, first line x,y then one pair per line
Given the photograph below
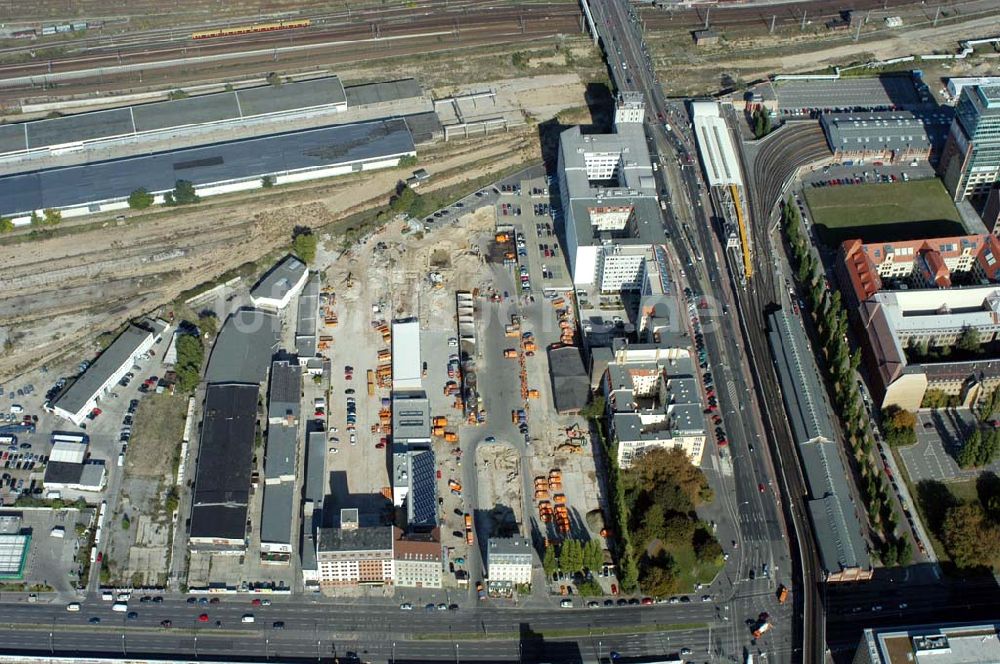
x,y
96,412
614,589
255,602
100,556
646,601
761,487
203,617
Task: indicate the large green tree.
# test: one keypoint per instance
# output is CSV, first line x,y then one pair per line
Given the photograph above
x,y
304,244
190,354
593,555
571,556
971,538
900,426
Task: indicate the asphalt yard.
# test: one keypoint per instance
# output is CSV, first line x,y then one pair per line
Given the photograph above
x,y
940,434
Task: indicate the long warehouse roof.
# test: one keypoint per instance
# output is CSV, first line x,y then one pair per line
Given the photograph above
x,y
715,145
157,116
222,162
836,525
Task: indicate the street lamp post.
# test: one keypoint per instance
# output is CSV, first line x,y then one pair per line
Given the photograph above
x,y
456,654
393,652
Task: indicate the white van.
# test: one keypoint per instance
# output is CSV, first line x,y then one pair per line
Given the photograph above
x,y
16,409
119,607
73,606
108,596
248,618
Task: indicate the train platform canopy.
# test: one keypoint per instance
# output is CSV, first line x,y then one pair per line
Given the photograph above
x,y
220,107
344,148
715,145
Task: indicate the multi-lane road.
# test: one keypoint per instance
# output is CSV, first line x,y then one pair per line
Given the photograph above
x,y
756,534
378,632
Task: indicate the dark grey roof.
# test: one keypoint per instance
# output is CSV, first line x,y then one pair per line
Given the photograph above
x,y
219,521
802,389
884,130
97,374
847,93
280,279
836,526
62,472
279,458
305,322
243,349
307,545
284,390
225,451
170,114
421,501
411,416
570,382
245,159
511,548
376,538
277,513
840,531
374,93
424,127
315,488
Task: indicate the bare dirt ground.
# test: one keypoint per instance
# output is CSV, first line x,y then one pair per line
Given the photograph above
x,y
749,53
500,487
93,275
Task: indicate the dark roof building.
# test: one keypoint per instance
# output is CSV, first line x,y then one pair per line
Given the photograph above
x,y
893,136
242,353
570,381
225,451
305,322
837,527
284,393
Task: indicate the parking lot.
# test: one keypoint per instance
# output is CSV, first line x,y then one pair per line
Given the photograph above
x,y
50,558
939,438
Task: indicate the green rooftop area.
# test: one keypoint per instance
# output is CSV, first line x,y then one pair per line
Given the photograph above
x,y
883,212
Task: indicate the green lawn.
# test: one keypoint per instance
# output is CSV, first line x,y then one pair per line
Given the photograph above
x,y
883,212
692,572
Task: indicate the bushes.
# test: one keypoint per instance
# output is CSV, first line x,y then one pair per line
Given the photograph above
x,y
304,244
140,199
183,194
900,426
979,449
190,355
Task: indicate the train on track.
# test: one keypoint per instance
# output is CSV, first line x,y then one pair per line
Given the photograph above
x,y
251,29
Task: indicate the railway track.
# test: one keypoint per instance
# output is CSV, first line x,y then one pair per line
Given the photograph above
x,y
789,14
388,28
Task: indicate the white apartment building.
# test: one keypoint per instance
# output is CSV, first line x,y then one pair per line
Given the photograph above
x,y
509,559
609,200
417,560
653,402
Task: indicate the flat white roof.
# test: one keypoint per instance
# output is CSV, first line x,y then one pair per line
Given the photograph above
x,y
69,452
715,145
406,355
